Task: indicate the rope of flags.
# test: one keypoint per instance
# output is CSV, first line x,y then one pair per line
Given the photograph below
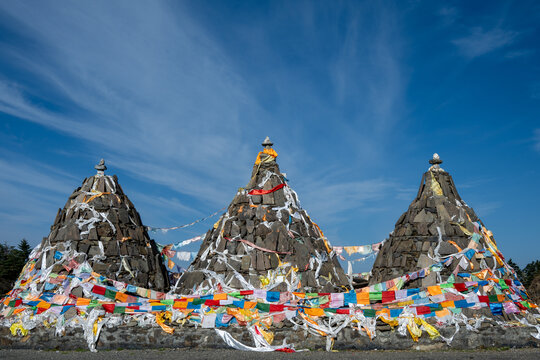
x,y
164,230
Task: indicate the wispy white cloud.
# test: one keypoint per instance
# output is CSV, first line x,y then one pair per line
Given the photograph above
x,y
449,15
160,98
481,41
168,106
31,193
476,182
537,140
535,91
336,201
487,208
520,53
23,171
368,69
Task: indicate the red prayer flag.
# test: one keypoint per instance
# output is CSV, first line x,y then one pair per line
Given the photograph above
x,y
483,298
388,296
264,192
423,310
276,308
100,290
108,307
461,287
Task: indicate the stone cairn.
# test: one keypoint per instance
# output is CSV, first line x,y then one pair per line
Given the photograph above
x,y
265,240
100,228
437,224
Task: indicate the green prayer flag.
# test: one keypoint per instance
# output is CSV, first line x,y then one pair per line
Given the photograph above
x,y
263,307
111,294
119,310
369,313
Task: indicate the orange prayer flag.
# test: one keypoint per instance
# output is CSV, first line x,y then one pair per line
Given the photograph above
x,y
180,304
442,313
121,297
221,296
362,298
249,304
43,305
314,311
434,290
83,301
449,303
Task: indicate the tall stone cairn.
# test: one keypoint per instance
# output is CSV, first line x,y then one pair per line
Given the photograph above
x,y
100,227
438,223
265,240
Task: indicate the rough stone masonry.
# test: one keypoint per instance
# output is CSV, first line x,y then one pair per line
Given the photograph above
x,y
100,226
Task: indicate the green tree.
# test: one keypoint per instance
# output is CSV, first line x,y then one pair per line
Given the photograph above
x,y
12,261
530,271
516,268
25,249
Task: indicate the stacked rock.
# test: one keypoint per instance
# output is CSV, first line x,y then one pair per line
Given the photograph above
x,y
265,240
437,224
99,227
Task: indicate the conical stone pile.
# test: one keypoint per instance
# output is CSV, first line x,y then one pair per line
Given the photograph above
x,y
437,224
265,240
100,228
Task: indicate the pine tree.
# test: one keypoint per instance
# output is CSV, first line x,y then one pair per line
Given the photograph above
x,y
530,271
25,249
516,268
12,261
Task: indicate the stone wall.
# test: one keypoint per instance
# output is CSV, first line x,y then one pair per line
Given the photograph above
x,y
134,337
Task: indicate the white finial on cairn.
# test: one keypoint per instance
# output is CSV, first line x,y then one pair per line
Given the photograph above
x,y
435,162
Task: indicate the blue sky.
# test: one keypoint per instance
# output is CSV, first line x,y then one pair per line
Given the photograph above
x,y
357,96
